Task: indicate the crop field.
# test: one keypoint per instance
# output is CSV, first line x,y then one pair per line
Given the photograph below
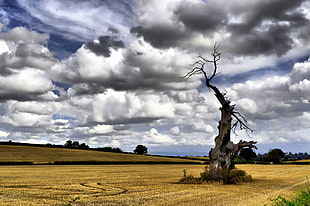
x,y
142,185
41,155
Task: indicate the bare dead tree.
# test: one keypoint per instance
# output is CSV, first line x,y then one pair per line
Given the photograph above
x,y
222,155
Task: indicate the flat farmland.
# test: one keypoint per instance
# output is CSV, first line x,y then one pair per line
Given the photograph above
x,y
45,155
142,185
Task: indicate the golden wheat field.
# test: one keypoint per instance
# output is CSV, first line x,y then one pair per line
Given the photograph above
x,y
142,185
40,155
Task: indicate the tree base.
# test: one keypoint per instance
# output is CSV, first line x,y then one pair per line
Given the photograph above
x,y
225,176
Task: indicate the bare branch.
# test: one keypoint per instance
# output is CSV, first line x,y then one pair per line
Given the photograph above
x,y
243,123
200,65
194,71
205,60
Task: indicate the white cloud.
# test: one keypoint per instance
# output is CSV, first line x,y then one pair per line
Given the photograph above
x,y
28,114
200,125
300,72
22,34
175,130
58,126
247,105
101,129
155,138
133,68
121,107
4,133
32,107
24,61
4,47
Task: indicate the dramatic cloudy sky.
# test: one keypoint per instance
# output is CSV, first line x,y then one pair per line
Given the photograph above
x,y
108,73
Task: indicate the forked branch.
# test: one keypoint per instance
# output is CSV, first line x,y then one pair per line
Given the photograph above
x,y
199,66
241,122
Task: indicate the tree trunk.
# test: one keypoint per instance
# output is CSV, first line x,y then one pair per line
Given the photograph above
x,y
222,155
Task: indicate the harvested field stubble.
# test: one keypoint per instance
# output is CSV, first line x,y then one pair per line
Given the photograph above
x,y
142,185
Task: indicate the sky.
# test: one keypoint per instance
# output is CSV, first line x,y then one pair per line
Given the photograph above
x,y
109,73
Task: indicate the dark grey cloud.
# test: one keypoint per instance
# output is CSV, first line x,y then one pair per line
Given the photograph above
x,y
252,28
267,28
253,14
4,69
201,17
161,36
21,96
276,40
102,47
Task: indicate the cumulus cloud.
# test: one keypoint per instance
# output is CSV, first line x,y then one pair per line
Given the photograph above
x,y
154,137
126,108
133,68
24,62
4,134
175,130
101,129
27,114
21,33
247,105
277,96
22,48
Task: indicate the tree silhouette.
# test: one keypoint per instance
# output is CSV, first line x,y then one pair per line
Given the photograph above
x,y
247,154
140,149
68,144
222,155
75,144
275,155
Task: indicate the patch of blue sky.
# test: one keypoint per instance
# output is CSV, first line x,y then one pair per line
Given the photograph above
x,y
62,85
63,47
72,120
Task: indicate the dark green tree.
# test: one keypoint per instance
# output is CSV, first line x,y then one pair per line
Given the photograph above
x,y
275,155
140,149
75,144
247,154
83,146
68,144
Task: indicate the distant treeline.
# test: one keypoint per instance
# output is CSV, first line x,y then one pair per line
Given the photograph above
x,y
69,144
